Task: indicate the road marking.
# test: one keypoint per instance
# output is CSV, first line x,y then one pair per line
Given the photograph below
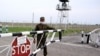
x,y
79,45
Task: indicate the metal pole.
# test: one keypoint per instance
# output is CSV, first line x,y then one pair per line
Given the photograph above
x,y
60,23
50,21
61,18
12,23
33,20
88,37
67,19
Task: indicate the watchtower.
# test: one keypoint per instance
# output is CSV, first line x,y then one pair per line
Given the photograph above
x,y
63,9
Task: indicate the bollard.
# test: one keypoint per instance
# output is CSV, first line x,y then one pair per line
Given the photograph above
x,y
60,34
82,35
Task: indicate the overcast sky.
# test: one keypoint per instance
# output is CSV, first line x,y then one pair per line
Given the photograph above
x,y
82,11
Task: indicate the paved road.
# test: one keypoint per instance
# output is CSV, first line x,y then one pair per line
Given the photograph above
x,y
70,46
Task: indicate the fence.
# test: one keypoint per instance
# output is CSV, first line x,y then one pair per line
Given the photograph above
x,y
17,35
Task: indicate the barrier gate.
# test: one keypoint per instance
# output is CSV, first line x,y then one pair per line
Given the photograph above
x,y
21,45
91,37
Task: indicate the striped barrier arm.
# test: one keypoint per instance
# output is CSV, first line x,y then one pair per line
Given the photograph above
x,y
94,31
50,42
27,33
35,32
53,41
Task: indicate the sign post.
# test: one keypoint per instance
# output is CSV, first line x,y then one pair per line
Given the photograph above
x,y
21,46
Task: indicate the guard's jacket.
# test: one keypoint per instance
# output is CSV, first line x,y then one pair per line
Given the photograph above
x,y
42,27
41,38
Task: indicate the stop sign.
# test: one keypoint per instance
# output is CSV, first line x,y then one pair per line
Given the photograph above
x,y
21,46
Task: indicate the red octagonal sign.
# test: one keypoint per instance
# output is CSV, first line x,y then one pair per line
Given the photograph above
x,y
21,46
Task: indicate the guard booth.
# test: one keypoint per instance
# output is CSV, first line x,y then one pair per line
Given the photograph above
x,y
3,29
21,45
0,28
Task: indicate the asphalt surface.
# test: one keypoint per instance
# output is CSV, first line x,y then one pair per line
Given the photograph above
x,y
69,46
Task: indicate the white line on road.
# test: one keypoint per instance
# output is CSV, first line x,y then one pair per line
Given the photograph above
x,y
79,45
